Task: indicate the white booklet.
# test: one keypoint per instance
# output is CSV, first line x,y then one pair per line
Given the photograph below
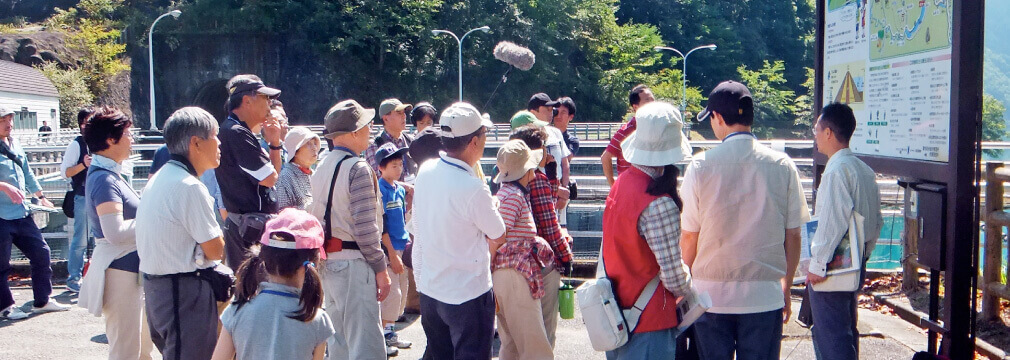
x,y
844,268
691,307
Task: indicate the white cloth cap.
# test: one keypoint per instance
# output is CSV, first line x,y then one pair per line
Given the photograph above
x,y
296,138
659,138
462,119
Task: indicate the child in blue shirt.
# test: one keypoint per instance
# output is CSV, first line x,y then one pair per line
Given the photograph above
x,y
394,237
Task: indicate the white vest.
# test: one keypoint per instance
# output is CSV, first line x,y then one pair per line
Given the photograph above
x,y
341,222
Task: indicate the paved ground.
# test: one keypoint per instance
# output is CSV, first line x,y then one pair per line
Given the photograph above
x,y
77,335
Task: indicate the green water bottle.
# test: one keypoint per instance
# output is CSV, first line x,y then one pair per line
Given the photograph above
x,y
566,301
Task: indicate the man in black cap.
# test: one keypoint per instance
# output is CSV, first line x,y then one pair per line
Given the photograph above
x,y
248,172
543,107
743,206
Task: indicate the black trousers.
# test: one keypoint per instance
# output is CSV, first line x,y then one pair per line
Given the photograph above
x,y
464,331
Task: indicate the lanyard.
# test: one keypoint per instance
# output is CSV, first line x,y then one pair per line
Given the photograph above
x,y
280,293
739,133
456,166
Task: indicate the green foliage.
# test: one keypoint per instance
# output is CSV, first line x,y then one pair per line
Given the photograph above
x,y
385,49
73,89
102,54
92,30
774,103
805,106
993,124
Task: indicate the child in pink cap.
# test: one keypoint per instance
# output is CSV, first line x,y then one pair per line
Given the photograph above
x,y
279,292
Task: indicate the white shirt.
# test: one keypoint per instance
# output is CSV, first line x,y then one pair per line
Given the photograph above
x,y
556,147
740,198
73,152
846,184
70,157
454,214
175,215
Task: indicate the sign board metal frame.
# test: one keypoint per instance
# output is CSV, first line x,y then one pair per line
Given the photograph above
x,y
958,174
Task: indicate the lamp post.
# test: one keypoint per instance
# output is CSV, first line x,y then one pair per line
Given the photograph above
x,y
683,75
459,41
150,56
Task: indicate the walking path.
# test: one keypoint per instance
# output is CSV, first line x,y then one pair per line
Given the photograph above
x,y
78,335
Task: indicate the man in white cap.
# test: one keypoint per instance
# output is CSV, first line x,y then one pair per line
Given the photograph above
x,y
641,226
455,221
743,207
346,200
17,227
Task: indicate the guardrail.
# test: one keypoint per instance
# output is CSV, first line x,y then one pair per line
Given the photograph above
x,y
993,284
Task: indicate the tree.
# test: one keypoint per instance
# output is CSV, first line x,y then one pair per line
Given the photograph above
x,y
92,29
993,124
73,90
774,103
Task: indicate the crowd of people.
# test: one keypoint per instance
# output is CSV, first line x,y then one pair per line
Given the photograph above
x,y
325,234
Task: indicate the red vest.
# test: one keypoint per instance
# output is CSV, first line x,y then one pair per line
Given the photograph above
x,y
630,263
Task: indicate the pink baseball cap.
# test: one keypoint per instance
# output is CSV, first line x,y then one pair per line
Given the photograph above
x,y
294,229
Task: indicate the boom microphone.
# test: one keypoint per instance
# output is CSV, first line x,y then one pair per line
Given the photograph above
x,y
515,55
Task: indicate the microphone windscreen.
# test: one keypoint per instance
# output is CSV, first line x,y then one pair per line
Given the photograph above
x,y
515,55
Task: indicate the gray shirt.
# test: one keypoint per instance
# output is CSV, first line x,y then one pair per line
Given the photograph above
x,y
262,330
293,188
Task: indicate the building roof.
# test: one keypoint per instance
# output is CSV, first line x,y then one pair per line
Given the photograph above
x,y
21,79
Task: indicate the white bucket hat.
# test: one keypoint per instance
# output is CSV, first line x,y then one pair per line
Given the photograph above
x,y
515,159
659,138
296,138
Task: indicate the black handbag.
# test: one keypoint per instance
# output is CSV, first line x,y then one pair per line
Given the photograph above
x,y
221,280
68,204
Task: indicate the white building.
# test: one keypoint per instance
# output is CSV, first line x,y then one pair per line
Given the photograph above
x,y
30,94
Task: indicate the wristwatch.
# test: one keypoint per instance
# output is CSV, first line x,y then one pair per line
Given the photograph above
x,y
278,147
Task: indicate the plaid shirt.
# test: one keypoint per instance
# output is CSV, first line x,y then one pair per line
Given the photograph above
x,y
523,250
541,199
659,224
400,143
615,144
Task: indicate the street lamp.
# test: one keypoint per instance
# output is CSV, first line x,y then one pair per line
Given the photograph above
x,y
683,75
150,57
459,41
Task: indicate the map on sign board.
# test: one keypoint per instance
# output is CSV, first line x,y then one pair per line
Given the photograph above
x,y
890,60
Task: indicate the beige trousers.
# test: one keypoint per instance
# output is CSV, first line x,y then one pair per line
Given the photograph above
x,y
394,304
349,298
549,303
125,319
520,323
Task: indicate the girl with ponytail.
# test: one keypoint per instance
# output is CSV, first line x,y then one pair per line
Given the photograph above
x,y
279,292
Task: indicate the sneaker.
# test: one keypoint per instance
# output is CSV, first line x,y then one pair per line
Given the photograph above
x,y
392,351
74,286
394,341
50,306
14,313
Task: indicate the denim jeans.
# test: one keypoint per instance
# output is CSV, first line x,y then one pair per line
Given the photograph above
x,y
660,344
834,331
26,236
751,336
78,244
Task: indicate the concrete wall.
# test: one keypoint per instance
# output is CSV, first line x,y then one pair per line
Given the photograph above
x,y
191,69
41,105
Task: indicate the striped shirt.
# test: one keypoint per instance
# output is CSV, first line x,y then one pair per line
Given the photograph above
x,y
523,250
614,148
367,233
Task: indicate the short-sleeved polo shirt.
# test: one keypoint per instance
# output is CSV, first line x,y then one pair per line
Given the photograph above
x,y
243,165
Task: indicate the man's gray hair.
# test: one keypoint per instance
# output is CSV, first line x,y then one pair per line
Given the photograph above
x,y
186,123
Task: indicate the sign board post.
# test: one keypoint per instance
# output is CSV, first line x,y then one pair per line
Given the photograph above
x,y
912,72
